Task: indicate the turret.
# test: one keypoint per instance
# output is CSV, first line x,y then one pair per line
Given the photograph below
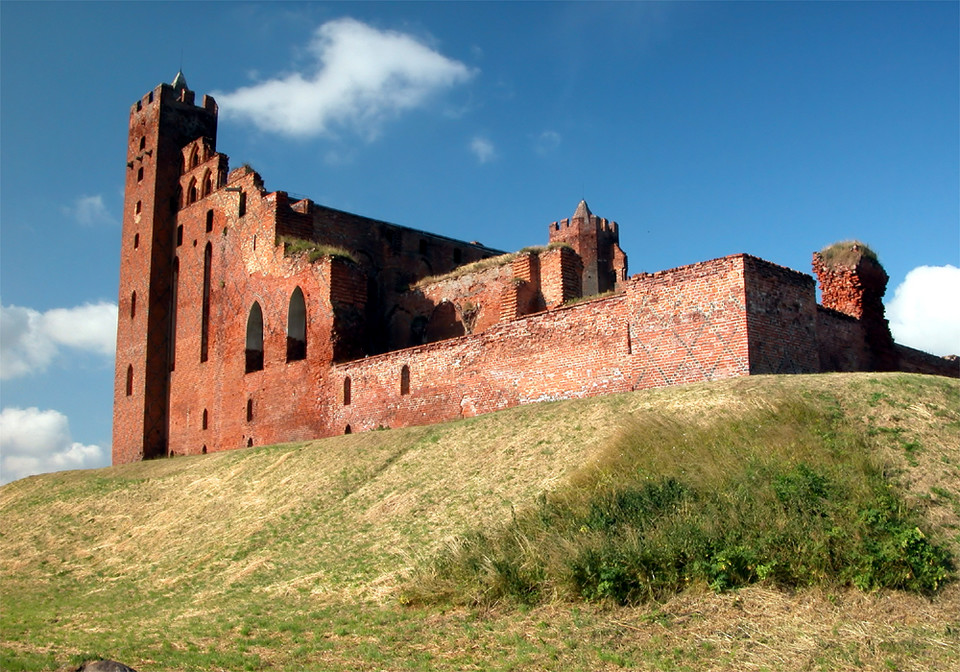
x,y
597,241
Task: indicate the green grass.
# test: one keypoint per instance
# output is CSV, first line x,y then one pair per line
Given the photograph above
x,y
303,556
313,250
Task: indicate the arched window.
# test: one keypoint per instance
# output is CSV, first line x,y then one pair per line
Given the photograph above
x,y
254,345
133,305
207,184
205,303
129,380
346,391
405,380
192,192
347,430
195,158
297,327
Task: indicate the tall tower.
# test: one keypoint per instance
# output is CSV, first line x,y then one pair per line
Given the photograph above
x,y
162,123
597,241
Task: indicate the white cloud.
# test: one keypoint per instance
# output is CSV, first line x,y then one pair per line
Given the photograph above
x,y
90,211
361,77
483,149
546,142
35,442
31,340
925,310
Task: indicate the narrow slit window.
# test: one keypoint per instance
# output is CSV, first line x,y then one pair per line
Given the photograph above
x,y
405,380
175,290
140,174
209,221
136,240
139,207
204,419
249,410
129,380
242,208
205,303
133,305
180,235
346,391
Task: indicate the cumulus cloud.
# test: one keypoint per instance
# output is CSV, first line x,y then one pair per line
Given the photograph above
x,y
35,442
90,211
483,149
360,77
31,340
925,310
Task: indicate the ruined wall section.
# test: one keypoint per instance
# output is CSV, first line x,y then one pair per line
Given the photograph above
x,y
781,318
597,242
917,361
853,282
688,324
572,352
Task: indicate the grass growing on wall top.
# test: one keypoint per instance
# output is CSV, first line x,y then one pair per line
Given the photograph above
x,y
313,250
843,254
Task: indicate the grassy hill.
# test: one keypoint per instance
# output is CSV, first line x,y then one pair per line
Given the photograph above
x,y
397,549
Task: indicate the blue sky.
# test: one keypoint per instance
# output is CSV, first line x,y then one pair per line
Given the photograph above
x,y
704,129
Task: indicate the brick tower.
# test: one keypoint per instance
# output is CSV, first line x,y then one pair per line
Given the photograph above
x,y
162,123
597,241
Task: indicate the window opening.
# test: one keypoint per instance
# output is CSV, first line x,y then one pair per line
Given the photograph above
x,y
204,425
194,158
139,207
192,192
405,380
207,184
180,235
249,410
129,380
133,305
175,290
297,327
140,175
143,142
250,442
205,303
242,209
209,221
254,343
346,391
203,451
347,430
136,240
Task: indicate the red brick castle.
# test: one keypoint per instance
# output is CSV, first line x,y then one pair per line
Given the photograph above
x,y
247,318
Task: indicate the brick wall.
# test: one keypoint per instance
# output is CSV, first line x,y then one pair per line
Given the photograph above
x,y
781,310
688,324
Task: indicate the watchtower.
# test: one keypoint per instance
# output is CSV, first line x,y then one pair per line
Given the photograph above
x,y
162,123
597,241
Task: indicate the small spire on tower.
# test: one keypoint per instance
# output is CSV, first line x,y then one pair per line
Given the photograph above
x,y
179,82
583,210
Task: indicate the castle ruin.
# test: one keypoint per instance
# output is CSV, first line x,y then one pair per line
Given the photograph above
x,y
247,318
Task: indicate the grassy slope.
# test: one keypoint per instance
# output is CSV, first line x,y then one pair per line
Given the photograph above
x,y
289,557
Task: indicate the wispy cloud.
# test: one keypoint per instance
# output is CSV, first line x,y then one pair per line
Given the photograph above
x,y
360,77
483,149
31,340
90,211
34,442
547,142
925,310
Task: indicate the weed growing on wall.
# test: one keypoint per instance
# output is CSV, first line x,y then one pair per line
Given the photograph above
x,y
788,496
